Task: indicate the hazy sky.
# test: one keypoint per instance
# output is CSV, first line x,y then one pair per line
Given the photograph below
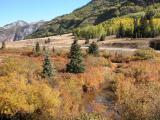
x,y
35,10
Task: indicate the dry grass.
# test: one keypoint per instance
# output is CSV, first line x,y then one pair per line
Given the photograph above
x,y
64,41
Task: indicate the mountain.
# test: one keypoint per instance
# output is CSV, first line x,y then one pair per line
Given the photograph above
x,y
18,30
95,12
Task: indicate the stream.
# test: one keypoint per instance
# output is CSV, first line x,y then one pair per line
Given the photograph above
x,y
105,98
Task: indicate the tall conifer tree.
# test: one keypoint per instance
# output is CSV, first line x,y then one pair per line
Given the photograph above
x,y
76,59
48,69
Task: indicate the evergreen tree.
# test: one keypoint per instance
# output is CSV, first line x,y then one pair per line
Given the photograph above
x,y
48,70
37,50
121,31
3,45
136,29
93,49
76,63
150,14
143,27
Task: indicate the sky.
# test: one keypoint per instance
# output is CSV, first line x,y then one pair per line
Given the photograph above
x,y
36,10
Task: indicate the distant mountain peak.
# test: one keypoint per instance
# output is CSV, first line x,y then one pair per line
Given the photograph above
x,y
17,23
18,30
21,23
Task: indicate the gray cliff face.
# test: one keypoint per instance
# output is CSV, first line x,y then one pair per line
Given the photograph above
x,y
18,30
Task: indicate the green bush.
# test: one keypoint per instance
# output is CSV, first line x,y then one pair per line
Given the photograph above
x,y
93,49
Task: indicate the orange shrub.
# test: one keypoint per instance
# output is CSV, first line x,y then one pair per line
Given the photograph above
x,y
137,90
93,76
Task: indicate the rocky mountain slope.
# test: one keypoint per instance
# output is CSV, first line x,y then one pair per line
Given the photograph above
x,y
95,12
18,30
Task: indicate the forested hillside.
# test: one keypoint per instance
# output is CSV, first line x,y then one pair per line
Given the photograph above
x,y
149,18
95,12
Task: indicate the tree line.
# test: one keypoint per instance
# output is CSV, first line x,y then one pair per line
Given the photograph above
x,y
134,27
143,28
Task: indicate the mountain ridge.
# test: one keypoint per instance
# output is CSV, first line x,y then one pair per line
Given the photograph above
x,y
93,13
18,30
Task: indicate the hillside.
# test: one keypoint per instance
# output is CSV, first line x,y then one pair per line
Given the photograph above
x,y
93,13
18,30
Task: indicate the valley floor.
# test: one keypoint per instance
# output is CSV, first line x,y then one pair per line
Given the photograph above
x,y
64,41
120,83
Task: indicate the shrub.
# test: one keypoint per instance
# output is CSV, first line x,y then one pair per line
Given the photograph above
x,y
53,49
18,95
44,48
138,91
139,101
93,49
37,50
97,61
87,41
144,54
3,45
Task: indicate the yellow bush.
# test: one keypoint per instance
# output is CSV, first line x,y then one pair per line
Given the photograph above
x,y
17,94
97,61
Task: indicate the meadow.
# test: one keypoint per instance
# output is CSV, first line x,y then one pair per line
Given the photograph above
x,y
113,86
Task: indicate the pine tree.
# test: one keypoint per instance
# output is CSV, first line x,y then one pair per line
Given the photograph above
x,y
143,27
48,69
93,49
76,63
3,45
149,14
136,29
121,31
37,50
